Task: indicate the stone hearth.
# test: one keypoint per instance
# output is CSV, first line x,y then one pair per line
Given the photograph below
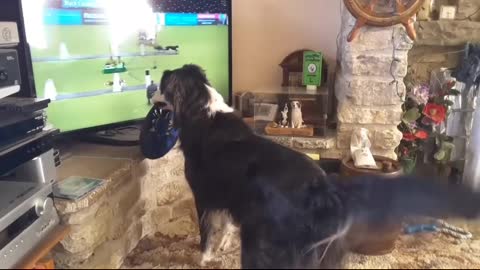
x,y
144,218
140,198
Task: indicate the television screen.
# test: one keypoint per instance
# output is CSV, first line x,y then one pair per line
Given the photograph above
x,y
95,59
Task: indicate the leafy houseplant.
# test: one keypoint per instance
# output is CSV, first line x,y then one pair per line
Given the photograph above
x,y
423,114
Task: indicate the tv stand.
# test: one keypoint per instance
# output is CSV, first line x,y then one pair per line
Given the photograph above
x,y
127,135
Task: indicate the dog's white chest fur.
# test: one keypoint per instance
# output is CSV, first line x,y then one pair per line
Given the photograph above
x,y
297,118
216,103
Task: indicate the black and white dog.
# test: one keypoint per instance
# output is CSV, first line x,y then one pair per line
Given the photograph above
x,y
290,213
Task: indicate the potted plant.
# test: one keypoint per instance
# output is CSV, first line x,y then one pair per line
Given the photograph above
x,y
423,119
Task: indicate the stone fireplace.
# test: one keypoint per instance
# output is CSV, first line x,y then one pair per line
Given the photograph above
x,y
369,84
372,72
441,43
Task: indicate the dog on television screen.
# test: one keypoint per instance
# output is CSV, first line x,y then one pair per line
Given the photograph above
x,y
290,213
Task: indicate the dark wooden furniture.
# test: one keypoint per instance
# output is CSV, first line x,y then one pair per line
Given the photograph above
x,y
292,67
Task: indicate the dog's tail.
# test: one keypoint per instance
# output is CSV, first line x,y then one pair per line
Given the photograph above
x,y
375,197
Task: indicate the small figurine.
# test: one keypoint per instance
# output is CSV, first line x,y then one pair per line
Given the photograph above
x,y
360,150
297,118
284,122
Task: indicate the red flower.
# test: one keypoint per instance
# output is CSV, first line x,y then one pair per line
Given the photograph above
x,y
421,134
435,112
409,137
451,84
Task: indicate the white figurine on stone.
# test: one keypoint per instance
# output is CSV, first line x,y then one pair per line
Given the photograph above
x,y
297,119
284,122
360,149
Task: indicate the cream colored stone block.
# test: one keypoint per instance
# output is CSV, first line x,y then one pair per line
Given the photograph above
x,y
185,207
161,215
171,191
182,226
365,91
382,137
381,64
387,139
313,143
352,114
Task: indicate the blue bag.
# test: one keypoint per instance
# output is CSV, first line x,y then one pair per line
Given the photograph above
x,y
158,136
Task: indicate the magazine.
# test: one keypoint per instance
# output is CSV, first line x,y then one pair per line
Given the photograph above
x,y
76,187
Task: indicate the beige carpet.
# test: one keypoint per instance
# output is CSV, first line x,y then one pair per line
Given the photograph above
x,y
421,251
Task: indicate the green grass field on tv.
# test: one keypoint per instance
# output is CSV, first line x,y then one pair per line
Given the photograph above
x,y
75,55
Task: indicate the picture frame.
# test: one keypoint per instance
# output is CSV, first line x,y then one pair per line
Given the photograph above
x,y
447,12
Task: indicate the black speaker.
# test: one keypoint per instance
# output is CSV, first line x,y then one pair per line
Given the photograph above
x,y
11,10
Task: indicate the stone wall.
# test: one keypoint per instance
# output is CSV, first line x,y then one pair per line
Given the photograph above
x,y
140,198
367,93
440,42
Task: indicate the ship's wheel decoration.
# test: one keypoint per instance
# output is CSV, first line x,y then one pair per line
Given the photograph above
x,y
383,13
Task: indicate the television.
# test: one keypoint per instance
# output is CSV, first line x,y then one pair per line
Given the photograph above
x,y
95,59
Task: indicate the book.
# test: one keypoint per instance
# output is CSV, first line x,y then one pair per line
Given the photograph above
x,y
76,187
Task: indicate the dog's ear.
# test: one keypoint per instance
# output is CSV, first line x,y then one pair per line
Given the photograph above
x,y
164,80
187,91
174,93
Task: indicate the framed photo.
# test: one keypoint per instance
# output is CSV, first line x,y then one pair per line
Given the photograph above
x,y
447,12
265,111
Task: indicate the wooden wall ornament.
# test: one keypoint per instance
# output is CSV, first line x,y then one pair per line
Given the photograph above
x,y
293,63
383,13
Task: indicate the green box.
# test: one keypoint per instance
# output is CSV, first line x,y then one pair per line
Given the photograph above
x,y
312,68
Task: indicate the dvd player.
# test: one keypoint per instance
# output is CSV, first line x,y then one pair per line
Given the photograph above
x,y
27,212
27,216
23,105
15,126
21,117
22,151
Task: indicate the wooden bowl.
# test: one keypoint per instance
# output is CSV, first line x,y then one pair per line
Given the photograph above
x,y
371,238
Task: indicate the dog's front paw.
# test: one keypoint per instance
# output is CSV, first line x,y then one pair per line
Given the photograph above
x,y
206,258
228,237
227,242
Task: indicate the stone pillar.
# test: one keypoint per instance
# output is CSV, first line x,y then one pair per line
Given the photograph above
x,y
365,84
